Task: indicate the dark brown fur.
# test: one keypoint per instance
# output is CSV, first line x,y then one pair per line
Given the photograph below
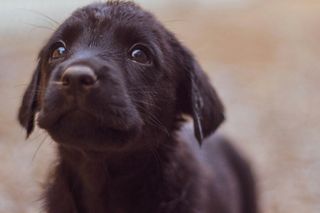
x,y
118,125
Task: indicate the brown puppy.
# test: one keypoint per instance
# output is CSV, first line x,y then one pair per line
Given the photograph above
x,y
110,88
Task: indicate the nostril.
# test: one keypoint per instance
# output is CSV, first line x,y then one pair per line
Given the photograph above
x,y
87,80
65,80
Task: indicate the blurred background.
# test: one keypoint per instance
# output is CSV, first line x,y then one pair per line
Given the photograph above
x,y
261,55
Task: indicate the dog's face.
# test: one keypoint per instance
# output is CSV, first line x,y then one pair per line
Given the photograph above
x,y
112,74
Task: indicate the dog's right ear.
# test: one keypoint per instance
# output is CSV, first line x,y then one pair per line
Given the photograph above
x,y
29,105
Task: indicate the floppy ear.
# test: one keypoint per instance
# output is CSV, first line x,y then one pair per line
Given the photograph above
x,y
29,105
199,99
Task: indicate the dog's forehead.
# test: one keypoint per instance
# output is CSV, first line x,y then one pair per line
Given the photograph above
x,y
103,15
110,17
113,10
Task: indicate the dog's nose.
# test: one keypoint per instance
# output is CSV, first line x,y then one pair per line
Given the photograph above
x,y
79,76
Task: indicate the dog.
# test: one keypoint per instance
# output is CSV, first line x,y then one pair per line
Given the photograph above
x,y
113,88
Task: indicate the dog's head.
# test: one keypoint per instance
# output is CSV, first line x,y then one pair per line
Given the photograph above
x,y
110,73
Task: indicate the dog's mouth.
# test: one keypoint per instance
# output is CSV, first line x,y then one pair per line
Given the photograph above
x,y
87,124
84,118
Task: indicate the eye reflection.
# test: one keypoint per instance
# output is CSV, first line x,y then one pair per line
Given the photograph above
x,y
140,54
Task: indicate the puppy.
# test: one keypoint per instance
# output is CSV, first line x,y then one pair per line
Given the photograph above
x,y
112,87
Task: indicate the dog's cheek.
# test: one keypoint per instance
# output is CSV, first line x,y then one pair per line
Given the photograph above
x,y
46,71
42,88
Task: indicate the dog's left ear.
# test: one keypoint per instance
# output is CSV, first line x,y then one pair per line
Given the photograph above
x,y
29,105
196,96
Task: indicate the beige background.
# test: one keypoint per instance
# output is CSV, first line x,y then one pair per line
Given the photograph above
x,y
262,57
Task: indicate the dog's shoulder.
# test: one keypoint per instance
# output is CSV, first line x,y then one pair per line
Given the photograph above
x,y
213,146
216,160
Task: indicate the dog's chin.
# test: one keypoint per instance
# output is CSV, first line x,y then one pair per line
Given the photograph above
x,y
81,130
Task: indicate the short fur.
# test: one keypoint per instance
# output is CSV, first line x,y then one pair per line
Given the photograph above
x,y
120,143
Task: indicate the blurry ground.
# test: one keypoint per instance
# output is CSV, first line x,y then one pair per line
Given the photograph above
x,y
262,57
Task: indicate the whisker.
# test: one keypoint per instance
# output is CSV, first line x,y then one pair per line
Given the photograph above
x,y
156,156
38,148
40,27
141,89
158,124
53,22
20,85
152,120
146,103
36,137
142,92
57,82
174,21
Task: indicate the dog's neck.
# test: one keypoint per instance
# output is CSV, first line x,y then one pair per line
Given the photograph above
x,y
115,176
115,163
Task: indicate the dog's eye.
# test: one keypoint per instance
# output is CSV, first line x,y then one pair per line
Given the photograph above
x,y
59,50
139,53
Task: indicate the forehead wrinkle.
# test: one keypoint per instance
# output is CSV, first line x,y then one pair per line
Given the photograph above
x,y
68,32
72,31
99,16
96,22
132,33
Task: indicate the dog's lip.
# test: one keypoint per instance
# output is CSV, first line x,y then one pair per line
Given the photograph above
x,y
47,120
